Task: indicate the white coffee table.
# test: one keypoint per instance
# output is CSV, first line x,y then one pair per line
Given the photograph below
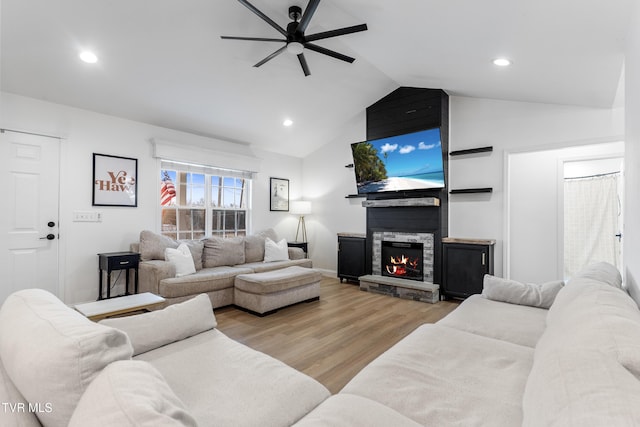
x,y
110,307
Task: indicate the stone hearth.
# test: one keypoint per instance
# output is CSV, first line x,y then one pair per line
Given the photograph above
x,y
400,288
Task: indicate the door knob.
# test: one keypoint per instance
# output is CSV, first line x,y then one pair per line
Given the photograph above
x,y
51,224
49,237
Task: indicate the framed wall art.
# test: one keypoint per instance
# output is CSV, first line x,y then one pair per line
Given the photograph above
x,y
279,196
115,181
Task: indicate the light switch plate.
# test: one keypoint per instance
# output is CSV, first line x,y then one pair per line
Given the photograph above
x,y
87,216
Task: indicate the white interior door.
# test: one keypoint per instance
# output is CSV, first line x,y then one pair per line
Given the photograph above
x,y
29,217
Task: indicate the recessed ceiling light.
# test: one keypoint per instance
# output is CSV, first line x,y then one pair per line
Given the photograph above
x,y
287,122
501,62
88,57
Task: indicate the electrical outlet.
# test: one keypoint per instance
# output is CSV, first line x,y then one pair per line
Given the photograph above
x,y
87,216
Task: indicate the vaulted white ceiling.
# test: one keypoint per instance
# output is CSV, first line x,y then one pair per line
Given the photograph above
x,y
162,62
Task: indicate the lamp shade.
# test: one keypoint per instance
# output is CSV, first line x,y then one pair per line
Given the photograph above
x,y
300,207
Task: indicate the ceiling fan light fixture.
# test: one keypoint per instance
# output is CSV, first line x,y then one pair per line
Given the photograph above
x,y
295,48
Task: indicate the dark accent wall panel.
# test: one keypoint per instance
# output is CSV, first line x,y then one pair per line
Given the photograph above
x,y
406,110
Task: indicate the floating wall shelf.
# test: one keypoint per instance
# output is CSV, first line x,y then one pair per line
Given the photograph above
x,y
471,151
471,190
354,196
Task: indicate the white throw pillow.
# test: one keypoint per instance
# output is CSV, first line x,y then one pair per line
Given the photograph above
x,y
275,251
504,290
152,330
182,260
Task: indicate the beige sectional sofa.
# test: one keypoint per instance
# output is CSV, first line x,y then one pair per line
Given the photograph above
x,y
496,363
217,262
170,367
500,359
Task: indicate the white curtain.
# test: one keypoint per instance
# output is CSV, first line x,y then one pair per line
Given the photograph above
x,y
591,213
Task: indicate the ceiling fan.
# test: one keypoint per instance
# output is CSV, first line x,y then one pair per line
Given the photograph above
x,y
294,37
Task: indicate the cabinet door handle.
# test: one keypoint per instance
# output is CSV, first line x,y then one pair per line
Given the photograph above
x,y
484,258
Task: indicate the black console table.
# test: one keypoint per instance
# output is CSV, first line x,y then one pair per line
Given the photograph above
x,y
465,262
111,261
351,256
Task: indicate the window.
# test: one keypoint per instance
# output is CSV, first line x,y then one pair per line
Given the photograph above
x,y
200,201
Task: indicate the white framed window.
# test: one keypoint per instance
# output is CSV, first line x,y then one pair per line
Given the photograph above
x,y
199,201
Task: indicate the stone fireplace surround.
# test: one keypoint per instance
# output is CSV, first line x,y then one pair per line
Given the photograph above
x,y
426,239
418,218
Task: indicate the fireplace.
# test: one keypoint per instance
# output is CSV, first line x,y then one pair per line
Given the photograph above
x,y
402,259
403,255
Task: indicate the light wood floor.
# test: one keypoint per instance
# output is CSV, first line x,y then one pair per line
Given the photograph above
x,y
332,339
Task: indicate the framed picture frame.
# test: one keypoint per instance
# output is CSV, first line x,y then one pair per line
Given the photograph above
x,y
279,194
115,181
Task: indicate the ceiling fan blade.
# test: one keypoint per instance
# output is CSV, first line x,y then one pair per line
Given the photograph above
x,y
335,33
264,17
308,13
331,53
270,57
303,64
255,39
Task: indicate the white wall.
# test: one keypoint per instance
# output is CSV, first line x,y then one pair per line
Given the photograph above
x,y
631,233
511,127
535,215
276,166
326,183
84,133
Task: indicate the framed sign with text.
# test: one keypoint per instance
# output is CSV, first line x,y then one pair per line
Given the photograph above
x,y
115,181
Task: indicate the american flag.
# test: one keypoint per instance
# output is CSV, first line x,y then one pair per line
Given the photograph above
x,y
167,190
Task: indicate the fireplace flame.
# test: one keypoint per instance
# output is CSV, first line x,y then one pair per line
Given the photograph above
x,y
398,265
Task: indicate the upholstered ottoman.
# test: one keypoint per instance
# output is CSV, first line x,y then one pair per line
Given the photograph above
x,y
264,293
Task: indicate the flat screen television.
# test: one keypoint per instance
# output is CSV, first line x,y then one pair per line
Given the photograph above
x,y
411,161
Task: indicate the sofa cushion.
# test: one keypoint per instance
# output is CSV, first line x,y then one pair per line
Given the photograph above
x,y
518,324
577,387
223,251
152,245
239,387
591,315
511,291
205,280
254,245
440,376
277,280
259,267
130,393
181,259
600,272
275,251
174,323
52,353
348,410
254,248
